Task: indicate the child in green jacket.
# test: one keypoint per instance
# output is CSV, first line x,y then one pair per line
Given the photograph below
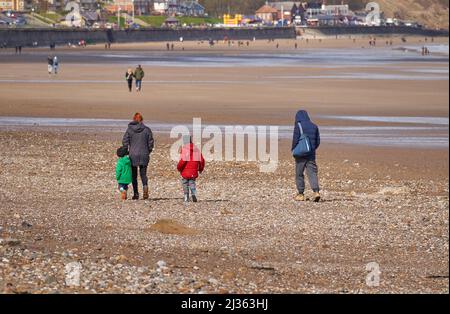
x,y
123,171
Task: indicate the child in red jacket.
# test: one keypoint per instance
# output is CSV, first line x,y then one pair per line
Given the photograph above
x,y
191,164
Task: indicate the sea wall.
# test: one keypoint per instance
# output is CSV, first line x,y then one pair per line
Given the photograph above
x,y
44,37
365,30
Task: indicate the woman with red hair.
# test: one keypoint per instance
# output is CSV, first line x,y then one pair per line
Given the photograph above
x,y
139,140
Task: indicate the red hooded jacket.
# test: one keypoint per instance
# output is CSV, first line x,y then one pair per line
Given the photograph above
x,y
191,162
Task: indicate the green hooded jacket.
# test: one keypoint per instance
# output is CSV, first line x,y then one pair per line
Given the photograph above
x,y
139,74
123,170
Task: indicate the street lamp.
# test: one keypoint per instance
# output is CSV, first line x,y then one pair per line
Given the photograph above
x,y
118,17
132,1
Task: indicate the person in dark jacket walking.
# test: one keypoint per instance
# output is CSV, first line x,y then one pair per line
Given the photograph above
x,y
139,76
129,76
307,163
139,139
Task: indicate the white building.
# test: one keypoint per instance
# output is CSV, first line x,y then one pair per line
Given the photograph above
x,y
329,10
166,6
179,7
333,10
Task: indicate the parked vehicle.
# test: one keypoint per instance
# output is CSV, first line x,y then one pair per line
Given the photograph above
x,y
134,26
20,21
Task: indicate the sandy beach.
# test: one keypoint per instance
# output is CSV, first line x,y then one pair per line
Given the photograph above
x,y
383,170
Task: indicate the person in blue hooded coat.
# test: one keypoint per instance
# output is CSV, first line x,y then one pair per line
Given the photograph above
x,y
308,163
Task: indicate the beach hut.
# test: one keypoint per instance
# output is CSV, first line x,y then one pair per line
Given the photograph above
x,y
171,22
91,17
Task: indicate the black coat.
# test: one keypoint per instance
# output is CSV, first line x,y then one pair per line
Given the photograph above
x,y
309,129
139,140
129,76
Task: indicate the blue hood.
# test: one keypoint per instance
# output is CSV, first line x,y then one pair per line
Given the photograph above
x,y
301,116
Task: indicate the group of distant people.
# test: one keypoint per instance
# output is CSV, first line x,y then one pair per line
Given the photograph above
x,y
425,51
137,75
170,47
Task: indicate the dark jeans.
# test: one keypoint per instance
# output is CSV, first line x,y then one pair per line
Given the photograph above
x,y
143,174
123,186
189,185
130,84
302,164
139,84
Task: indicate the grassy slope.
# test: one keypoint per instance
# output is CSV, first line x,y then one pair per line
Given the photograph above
x,y
52,16
113,19
157,21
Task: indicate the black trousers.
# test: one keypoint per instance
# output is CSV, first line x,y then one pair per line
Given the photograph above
x,y
144,178
130,84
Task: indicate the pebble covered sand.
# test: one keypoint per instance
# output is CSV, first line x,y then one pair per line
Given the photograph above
x,y
59,205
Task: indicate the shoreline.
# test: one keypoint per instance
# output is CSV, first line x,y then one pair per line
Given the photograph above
x,y
415,133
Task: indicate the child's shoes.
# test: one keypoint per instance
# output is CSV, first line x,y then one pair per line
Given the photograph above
x,y
123,194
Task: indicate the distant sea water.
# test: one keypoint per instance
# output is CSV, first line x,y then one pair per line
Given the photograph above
x,y
344,60
433,48
409,132
326,58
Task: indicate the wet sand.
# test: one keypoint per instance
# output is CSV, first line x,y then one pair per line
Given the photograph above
x,y
381,204
91,85
177,95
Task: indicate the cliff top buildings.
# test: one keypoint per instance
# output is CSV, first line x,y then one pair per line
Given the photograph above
x,y
301,12
179,7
